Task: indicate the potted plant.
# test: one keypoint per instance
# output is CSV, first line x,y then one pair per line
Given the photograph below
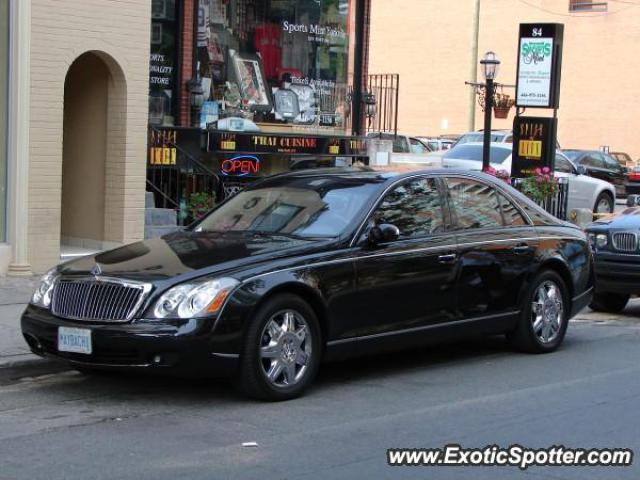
x,y
502,103
541,186
501,174
200,203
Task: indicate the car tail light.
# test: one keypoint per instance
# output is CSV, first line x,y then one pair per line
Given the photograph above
x,y
635,176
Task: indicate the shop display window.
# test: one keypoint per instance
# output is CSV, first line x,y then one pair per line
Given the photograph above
x,y
163,63
280,65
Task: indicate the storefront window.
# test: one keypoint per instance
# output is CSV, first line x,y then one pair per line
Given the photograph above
x,y
162,63
4,94
275,66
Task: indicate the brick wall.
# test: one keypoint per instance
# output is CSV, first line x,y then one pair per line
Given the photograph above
x,y
186,61
428,42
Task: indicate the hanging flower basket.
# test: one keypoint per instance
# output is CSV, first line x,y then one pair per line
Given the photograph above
x,y
502,104
501,112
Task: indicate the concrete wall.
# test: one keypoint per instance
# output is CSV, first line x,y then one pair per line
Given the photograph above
x,y
429,43
118,32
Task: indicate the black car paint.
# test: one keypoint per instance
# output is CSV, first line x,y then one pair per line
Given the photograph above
x,y
366,297
613,172
615,271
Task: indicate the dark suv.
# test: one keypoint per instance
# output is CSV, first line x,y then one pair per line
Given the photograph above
x,y
602,166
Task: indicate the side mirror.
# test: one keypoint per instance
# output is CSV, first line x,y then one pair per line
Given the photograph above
x,y
385,232
581,170
625,171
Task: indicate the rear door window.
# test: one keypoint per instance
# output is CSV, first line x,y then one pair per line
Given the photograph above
x,y
475,204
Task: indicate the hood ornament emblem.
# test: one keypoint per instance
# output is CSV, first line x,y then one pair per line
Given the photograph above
x,y
96,270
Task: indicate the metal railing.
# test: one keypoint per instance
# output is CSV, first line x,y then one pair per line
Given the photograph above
x,y
173,183
557,205
386,88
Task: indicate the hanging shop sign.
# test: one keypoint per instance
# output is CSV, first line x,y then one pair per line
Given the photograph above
x,y
240,166
534,145
539,65
162,150
263,143
167,146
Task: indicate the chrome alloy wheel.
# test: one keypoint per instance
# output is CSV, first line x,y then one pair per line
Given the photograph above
x,y
547,312
285,348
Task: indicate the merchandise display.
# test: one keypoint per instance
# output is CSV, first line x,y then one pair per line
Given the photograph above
x,y
277,62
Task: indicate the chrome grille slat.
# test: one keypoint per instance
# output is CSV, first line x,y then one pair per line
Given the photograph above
x,y
97,299
625,241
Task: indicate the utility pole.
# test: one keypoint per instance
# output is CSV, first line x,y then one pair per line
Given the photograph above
x,y
473,73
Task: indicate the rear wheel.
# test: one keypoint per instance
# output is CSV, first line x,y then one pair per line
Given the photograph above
x,y
282,350
609,302
544,315
604,204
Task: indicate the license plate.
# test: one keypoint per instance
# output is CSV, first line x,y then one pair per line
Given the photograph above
x,y
76,340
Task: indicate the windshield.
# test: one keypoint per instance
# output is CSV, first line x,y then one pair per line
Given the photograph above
x,y
474,152
572,154
307,207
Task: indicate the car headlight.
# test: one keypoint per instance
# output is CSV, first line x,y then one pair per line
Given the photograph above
x,y
42,296
191,300
601,240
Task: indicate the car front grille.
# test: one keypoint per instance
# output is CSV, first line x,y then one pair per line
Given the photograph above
x,y
625,241
96,299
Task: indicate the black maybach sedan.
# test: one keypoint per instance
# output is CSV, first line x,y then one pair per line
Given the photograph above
x,y
615,241
318,265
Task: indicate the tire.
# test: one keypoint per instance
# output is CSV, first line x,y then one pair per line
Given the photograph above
x,y
541,329
604,204
609,302
280,363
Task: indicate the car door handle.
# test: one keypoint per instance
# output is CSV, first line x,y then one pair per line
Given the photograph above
x,y
521,248
448,258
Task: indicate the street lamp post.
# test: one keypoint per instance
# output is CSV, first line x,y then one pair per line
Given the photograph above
x,y
197,99
489,65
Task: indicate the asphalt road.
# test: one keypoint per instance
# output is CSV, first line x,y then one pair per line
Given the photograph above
x,y
68,426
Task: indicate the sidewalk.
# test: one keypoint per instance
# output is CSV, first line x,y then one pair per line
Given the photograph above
x,y
15,293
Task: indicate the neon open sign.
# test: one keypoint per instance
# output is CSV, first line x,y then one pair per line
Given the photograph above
x,y
241,166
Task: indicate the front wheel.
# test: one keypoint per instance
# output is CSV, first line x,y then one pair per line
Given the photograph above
x,y
544,315
282,350
609,302
604,204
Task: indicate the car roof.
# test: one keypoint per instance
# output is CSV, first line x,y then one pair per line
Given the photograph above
x,y
580,150
383,176
506,146
497,130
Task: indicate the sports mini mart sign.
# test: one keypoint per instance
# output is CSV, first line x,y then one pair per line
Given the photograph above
x,y
539,65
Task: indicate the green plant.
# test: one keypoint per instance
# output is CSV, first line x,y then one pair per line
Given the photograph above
x,y
541,186
200,203
502,100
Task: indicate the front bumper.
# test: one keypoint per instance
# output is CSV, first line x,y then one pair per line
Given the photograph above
x,y
617,273
633,188
186,347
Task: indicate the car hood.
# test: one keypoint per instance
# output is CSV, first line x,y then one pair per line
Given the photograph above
x,y
189,255
627,219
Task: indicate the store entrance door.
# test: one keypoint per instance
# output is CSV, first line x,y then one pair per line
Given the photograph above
x,y
86,98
